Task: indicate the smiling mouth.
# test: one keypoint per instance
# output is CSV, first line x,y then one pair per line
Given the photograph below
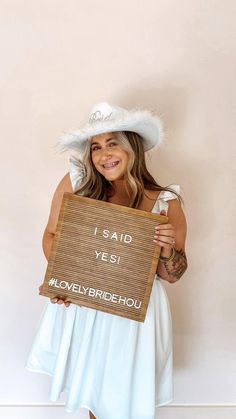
x,y
110,165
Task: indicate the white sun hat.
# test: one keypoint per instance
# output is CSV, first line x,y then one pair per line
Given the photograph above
x,y
105,117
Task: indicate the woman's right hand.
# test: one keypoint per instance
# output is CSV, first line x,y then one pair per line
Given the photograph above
x,y
59,301
55,300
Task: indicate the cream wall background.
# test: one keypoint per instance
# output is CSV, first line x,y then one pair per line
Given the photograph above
x,y
177,57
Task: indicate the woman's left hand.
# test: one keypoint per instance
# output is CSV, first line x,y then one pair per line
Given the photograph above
x,y
165,237
171,238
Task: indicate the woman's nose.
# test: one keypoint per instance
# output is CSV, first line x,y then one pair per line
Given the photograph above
x,y
106,153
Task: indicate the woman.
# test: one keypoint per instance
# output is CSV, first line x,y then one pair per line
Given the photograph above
x,y
116,367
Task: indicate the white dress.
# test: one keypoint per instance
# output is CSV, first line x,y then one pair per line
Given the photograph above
x,y
116,367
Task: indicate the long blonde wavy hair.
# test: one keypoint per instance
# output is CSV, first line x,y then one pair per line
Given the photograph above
x,y
137,177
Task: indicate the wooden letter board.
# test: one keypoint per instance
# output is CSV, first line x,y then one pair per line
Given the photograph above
x,y
103,256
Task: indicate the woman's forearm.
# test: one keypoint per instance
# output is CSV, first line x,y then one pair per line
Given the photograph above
x,y
173,269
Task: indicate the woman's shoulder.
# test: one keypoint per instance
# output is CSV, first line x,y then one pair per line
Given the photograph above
x,y
164,199
172,193
63,186
166,195
149,199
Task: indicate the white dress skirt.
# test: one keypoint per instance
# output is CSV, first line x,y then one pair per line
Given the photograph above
x,y
116,367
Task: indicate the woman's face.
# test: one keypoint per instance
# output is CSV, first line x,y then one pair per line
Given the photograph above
x,y
108,156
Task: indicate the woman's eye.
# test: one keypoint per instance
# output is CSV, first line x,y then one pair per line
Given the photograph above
x,y
95,148
112,144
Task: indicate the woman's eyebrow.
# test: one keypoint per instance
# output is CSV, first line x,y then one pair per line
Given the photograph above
x,y
108,139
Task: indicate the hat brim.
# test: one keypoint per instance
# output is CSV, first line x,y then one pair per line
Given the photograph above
x,y
142,122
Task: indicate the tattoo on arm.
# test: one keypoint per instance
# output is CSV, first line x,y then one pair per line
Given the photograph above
x,y
178,265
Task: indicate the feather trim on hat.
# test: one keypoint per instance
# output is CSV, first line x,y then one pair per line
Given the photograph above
x,y
143,122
